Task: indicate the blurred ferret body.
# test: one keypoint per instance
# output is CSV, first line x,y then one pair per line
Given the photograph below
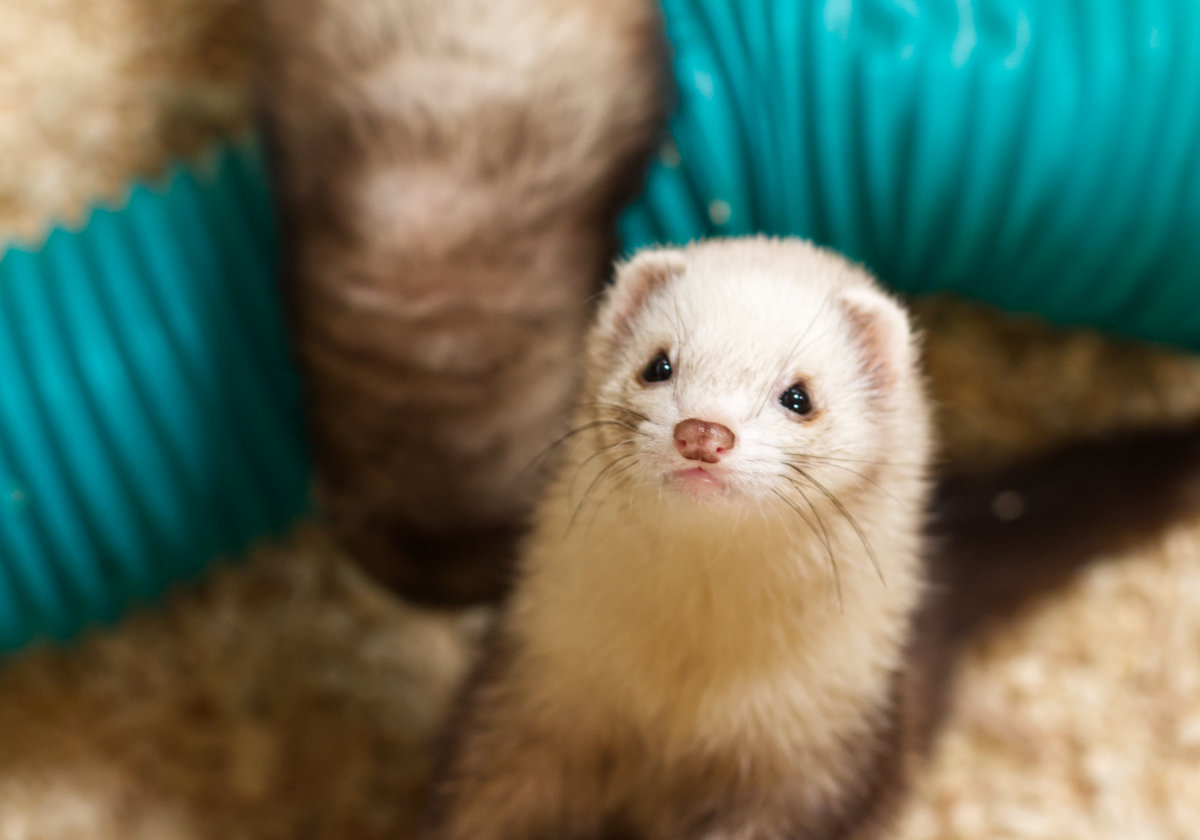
x,y
449,176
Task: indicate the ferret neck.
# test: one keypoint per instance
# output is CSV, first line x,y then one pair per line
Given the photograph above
x,y
662,521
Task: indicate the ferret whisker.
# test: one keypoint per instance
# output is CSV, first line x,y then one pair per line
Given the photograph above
x,y
621,479
825,535
850,520
597,295
592,457
674,317
594,424
604,449
622,472
600,404
820,530
541,456
871,462
766,399
679,331
788,360
607,406
812,323
817,529
600,475
816,460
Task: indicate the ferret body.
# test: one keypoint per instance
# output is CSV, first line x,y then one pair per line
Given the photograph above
x,y
449,175
712,632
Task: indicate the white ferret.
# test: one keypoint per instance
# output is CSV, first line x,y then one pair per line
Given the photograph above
x,y
712,631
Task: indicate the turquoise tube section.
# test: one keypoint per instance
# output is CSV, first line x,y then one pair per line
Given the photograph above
x,y
1042,155
149,410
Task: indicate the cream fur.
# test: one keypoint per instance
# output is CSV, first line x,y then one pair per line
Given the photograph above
x,y
717,627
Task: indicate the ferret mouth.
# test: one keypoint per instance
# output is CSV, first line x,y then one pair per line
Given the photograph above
x,y
698,482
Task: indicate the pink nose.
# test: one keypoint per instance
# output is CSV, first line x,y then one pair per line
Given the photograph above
x,y
699,440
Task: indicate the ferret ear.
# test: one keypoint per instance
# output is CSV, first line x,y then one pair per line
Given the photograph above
x,y
881,327
636,281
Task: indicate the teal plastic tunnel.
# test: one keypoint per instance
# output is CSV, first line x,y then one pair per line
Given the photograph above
x,y
1043,155
149,413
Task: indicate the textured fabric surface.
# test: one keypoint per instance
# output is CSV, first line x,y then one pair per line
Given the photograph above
x,y
288,698
92,94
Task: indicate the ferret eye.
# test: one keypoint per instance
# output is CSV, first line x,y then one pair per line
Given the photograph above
x,y
797,399
659,369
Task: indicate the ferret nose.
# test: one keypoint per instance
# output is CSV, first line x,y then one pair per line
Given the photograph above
x,y
699,440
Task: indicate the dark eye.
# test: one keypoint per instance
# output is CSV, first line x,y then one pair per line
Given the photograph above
x,y
797,399
659,369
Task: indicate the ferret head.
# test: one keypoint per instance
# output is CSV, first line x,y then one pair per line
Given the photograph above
x,y
753,372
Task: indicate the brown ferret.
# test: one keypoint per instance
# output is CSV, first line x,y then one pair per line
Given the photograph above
x,y
449,174
714,629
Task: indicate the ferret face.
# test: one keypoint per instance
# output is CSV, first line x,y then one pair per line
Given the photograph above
x,y
740,371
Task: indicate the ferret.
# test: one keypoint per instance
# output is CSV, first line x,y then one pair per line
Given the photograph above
x,y
717,619
448,173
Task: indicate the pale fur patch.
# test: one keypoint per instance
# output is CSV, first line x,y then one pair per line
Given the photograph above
x,y
721,628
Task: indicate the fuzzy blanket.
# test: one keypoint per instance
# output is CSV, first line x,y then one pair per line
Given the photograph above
x,y
286,697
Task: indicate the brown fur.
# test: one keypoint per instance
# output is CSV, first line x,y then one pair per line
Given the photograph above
x,y
449,174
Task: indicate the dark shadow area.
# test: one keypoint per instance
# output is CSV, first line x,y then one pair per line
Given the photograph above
x,y
1007,539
